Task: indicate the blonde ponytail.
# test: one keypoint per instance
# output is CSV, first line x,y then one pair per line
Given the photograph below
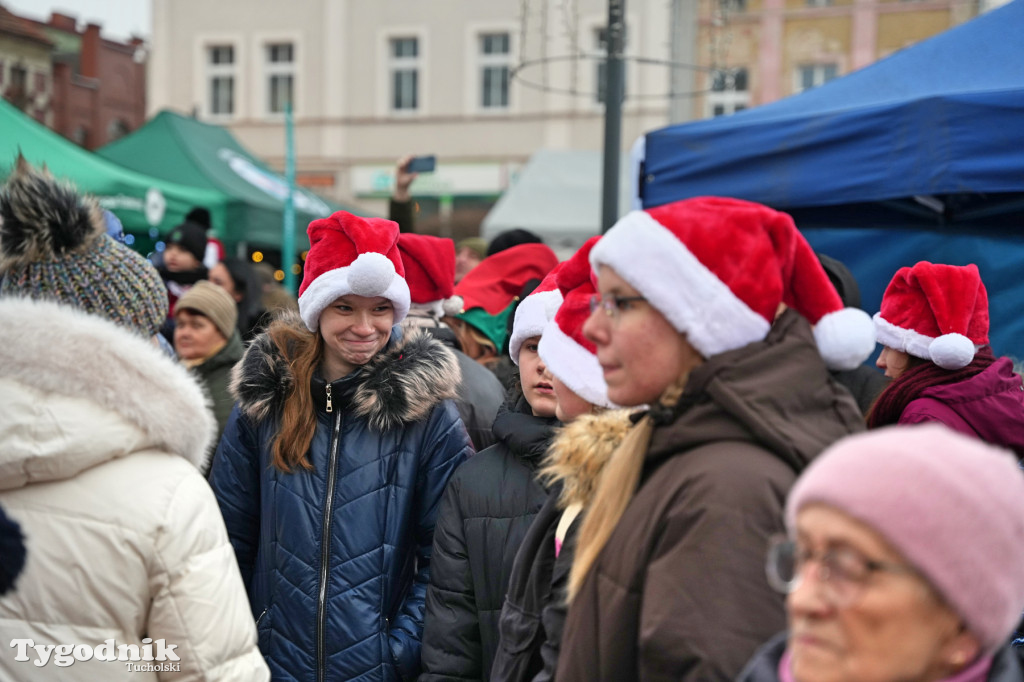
x,y
616,488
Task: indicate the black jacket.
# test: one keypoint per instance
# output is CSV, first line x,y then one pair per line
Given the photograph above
x,y
764,666
535,607
479,393
486,510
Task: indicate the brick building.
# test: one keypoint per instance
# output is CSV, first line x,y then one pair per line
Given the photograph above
x,y
26,79
99,85
88,88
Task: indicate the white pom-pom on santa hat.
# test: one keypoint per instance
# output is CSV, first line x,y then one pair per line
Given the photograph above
x,y
370,274
951,351
845,337
452,306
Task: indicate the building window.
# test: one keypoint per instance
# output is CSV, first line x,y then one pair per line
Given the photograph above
x,y
601,73
19,78
220,66
280,76
117,129
812,75
405,73
495,53
729,92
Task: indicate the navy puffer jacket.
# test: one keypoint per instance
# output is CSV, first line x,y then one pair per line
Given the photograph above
x,y
337,559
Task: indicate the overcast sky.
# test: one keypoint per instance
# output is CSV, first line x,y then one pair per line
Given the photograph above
x,y
119,18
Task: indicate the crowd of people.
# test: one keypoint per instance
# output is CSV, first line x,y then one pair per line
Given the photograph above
x,y
662,458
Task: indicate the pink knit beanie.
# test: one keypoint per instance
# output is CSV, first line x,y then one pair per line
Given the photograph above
x,y
953,507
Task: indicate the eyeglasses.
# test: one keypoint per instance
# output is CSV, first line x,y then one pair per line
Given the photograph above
x,y
842,571
613,305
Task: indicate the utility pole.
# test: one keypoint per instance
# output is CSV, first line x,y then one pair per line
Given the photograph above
x,y
288,228
683,38
614,93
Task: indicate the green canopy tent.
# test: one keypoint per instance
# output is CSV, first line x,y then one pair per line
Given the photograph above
x,y
146,206
184,150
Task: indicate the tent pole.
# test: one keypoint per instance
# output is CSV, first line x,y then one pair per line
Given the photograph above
x,y
288,238
614,93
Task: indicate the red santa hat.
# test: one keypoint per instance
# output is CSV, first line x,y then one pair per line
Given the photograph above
x,y
498,279
430,272
935,312
569,355
533,314
718,268
351,255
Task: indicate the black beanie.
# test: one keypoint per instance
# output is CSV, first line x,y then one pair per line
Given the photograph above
x,y
191,237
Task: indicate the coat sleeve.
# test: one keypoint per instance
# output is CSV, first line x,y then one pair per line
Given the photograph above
x,y
928,410
235,478
446,445
706,605
199,604
451,633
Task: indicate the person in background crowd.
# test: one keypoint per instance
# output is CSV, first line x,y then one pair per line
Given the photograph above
x,y
469,253
401,207
488,295
182,267
509,238
863,382
934,329
274,299
888,580
666,581
101,437
334,461
236,277
214,251
487,507
207,342
429,263
115,230
531,621
12,551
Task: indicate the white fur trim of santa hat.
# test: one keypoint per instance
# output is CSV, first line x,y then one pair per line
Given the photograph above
x,y
948,351
370,274
675,282
532,316
574,365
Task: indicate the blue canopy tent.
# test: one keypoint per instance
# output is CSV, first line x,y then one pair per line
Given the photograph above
x,y
919,156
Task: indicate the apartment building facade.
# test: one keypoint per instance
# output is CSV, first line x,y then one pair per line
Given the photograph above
x,y
757,51
370,82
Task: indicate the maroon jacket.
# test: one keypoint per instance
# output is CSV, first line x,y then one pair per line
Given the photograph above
x,y
989,406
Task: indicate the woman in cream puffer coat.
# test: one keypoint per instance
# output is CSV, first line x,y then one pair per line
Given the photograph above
x,y
101,435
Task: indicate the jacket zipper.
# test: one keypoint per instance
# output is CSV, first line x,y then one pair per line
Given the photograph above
x,y
325,546
261,617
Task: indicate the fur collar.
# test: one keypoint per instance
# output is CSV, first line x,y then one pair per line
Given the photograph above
x,y
401,385
57,350
579,452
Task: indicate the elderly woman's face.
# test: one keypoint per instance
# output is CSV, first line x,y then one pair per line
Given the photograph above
x,y
889,625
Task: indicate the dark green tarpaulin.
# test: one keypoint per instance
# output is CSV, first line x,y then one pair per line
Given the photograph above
x,y
187,151
140,201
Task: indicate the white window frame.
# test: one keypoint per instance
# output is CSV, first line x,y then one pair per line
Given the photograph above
x,y
204,72
818,70
272,70
490,61
729,99
393,64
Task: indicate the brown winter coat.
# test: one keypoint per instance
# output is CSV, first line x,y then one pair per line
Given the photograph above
x,y
679,591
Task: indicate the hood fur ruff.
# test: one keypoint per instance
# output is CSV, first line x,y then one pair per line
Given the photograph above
x,y
400,385
579,452
54,349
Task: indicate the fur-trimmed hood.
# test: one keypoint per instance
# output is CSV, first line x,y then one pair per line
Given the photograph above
x,y
579,452
400,385
77,390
